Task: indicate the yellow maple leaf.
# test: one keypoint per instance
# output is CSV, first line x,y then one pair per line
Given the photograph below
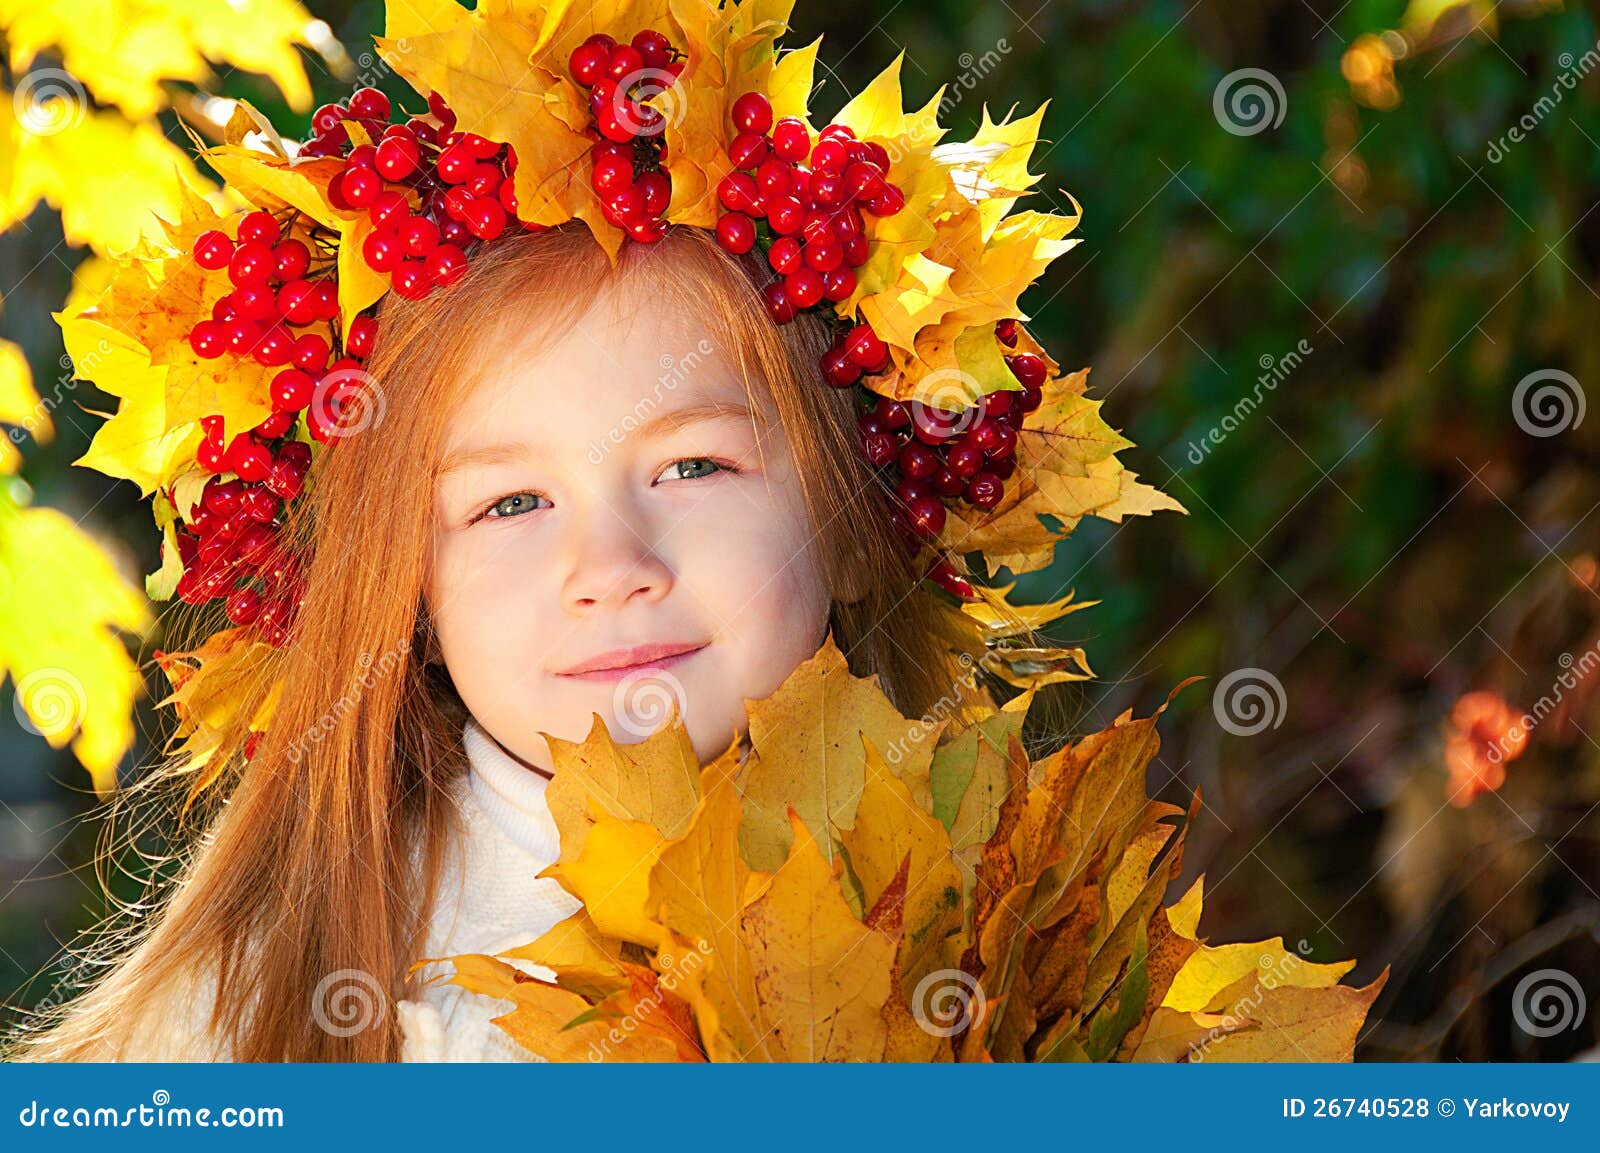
x,y
123,49
60,153
62,605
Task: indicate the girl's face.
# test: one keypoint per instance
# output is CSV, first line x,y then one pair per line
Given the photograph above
x,y
616,529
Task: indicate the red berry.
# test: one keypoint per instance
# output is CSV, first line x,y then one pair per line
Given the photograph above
x,y
918,461
446,264
747,150
211,456
985,490
382,250
397,157
786,215
653,47
880,449
824,258
369,104
773,178
297,301
926,513
223,497
363,336
248,457
837,369
611,173
242,335
738,192
1005,332
624,62
207,339
275,347
418,236
657,190
791,140
776,299
291,390
827,188
284,479
838,285
274,426
454,163
964,458
485,219
484,180
258,227
804,286
256,301
736,233
212,250
1029,369
411,279
251,263
588,62
752,113
243,606
866,349
785,255
388,210
310,352
830,156
291,259
888,202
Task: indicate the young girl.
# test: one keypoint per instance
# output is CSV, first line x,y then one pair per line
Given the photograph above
x,y
589,489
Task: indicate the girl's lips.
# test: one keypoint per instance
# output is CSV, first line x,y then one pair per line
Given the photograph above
x,y
620,663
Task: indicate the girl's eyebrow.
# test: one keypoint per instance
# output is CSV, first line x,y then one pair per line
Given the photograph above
x,y
659,424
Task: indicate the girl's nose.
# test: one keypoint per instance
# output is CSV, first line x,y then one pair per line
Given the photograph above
x,y
613,562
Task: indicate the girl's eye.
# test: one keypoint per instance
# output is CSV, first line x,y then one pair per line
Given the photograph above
x,y
509,506
692,468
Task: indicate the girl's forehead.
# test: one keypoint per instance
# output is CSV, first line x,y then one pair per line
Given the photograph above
x,y
586,379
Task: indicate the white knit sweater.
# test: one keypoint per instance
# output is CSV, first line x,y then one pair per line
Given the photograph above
x,y
490,899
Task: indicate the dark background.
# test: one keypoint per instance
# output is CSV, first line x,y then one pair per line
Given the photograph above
x,y
1373,535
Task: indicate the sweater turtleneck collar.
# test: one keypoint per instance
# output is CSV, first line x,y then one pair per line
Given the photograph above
x,y
511,793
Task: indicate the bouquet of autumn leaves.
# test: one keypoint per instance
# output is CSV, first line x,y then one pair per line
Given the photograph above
x,y
859,886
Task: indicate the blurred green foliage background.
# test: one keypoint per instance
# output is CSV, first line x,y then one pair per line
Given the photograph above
x,y
1316,265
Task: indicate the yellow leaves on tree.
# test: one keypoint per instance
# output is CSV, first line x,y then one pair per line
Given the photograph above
x,y
122,49
854,885
62,606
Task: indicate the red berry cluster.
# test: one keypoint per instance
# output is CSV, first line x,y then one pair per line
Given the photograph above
x,y
626,157
811,199
462,184
283,312
803,204
939,454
